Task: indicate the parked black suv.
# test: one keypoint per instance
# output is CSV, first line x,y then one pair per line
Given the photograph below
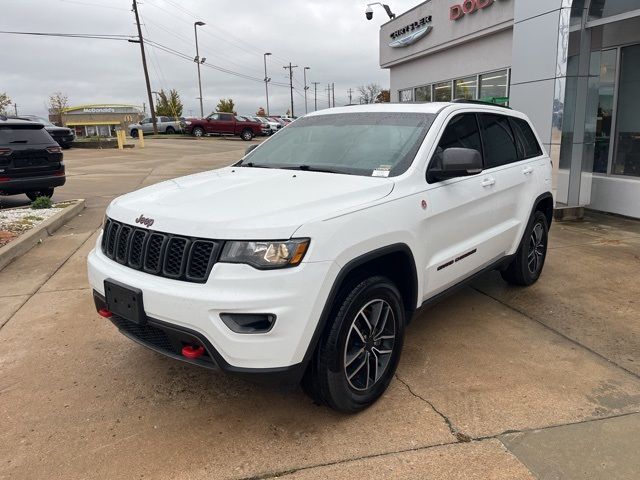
x,y
62,135
30,160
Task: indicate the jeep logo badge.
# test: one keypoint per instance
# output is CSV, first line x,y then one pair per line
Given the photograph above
x,y
142,220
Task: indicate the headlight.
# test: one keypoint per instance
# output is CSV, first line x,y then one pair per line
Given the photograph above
x,y
266,254
187,123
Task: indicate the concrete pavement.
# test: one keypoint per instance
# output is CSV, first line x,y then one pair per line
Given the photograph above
x,y
495,382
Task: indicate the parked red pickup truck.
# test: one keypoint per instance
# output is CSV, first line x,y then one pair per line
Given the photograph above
x,y
224,124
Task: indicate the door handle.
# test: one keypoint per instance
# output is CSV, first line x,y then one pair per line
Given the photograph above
x,y
487,182
527,170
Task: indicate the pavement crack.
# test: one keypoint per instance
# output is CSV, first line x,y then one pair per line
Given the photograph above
x,y
460,436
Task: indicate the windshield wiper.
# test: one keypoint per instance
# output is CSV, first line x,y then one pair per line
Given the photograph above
x,y
254,165
311,168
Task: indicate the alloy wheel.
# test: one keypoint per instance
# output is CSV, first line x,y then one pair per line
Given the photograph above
x,y
536,253
369,345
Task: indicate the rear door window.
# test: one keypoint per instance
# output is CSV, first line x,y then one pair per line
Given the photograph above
x,y
16,135
498,141
226,117
526,142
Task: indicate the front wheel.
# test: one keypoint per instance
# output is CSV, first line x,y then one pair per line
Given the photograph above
x,y
358,356
134,133
526,267
198,132
45,192
246,135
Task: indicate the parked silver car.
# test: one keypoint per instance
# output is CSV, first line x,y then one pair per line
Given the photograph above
x,y
167,125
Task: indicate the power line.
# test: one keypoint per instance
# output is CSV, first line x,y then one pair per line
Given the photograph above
x,y
73,35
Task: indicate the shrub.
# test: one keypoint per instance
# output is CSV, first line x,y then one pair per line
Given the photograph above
x,y
41,202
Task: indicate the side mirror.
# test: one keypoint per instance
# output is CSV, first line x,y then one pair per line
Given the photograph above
x,y
250,149
457,162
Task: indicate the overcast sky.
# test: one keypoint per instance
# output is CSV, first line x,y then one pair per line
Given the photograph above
x,y
332,37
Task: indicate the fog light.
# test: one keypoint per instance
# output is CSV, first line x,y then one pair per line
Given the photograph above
x,y
249,322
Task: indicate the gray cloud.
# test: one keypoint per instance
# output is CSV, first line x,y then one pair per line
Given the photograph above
x,y
331,37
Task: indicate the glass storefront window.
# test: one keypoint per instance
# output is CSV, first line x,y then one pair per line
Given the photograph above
x,y
405,95
607,8
606,85
442,92
466,88
626,160
423,94
494,87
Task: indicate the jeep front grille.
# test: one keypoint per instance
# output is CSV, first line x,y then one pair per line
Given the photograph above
x,y
162,254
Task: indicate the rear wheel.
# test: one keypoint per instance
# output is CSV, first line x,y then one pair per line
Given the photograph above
x,y
246,135
198,132
358,356
526,267
45,192
170,131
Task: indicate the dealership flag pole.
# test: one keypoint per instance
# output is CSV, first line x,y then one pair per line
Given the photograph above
x,y
144,67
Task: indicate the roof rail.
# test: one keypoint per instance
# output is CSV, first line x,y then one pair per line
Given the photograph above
x,y
479,102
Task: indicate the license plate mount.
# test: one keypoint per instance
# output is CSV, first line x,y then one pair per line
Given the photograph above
x,y
124,301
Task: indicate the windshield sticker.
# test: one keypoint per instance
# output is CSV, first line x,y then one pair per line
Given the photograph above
x,y
382,171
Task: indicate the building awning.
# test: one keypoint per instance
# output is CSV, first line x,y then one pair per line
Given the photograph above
x,y
89,124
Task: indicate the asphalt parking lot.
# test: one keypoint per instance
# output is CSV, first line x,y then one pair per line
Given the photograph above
x,y
495,381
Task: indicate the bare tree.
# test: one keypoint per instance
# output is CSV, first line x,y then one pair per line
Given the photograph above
x,y
368,93
384,96
58,102
5,101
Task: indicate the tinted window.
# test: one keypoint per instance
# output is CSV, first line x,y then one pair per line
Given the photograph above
x,y
227,117
12,135
381,144
497,137
462,132
526,142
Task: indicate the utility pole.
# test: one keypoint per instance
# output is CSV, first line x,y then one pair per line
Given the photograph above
x,y
290,68
266,80
15,107
350,95
328,90
306,108
333,93
199,61
315,95
144,67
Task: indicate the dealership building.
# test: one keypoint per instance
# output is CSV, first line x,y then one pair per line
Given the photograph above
x,y
572,66
99,119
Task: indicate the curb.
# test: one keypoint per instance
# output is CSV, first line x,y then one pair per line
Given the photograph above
x,y
30,239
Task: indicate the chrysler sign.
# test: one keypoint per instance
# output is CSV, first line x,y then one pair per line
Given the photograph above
x,y
411,33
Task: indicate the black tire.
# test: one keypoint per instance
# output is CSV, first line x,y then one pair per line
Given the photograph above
x,y
246,135
170,131
45,192
198,132
526,267
134,133
336,375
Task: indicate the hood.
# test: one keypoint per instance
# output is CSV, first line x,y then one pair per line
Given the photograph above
x,y
246,203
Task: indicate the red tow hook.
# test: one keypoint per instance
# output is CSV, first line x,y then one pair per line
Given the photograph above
x,y
192,351
103,312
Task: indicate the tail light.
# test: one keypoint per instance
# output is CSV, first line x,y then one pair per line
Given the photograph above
x,y
54,149
4,151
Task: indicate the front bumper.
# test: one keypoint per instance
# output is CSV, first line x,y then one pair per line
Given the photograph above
x,y
296,296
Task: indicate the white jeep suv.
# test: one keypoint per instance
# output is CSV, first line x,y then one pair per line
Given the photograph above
x,y
307,258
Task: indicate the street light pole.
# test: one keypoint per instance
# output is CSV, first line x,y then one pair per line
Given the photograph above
x,y
198,62
306,108
266,81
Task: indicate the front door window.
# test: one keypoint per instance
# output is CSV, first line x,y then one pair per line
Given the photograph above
x,y
604,118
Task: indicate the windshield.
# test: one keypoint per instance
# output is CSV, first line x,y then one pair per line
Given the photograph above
x,y
371,143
